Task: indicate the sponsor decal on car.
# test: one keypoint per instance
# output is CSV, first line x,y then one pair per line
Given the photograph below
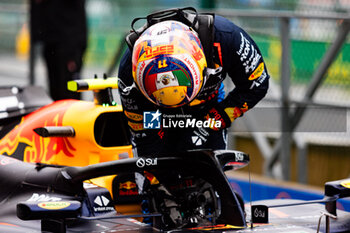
x,y
36,197
260,214
127,185
128,188
54,205
102,204
141,162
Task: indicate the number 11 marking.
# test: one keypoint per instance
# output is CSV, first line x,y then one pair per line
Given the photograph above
x,y
162,64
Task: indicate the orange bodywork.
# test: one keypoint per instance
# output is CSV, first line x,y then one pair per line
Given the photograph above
x,y
80,150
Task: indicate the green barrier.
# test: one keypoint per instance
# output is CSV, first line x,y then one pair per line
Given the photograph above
x,y
306,57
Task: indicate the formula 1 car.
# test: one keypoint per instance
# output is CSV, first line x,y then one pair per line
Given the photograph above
x,y
46,198
66,132
67,166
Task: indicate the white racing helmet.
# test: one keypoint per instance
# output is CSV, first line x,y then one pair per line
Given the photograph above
x,y
168,63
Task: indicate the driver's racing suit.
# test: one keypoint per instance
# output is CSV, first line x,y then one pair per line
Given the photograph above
x,y
240,59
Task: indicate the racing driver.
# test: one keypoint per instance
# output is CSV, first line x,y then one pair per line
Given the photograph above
x,y
171,81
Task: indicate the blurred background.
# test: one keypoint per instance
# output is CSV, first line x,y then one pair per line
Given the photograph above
x,y
306,49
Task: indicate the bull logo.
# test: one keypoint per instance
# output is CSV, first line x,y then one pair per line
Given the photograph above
x,y
127,185
24,144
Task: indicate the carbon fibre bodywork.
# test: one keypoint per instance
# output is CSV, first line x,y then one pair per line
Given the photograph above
x,y
56,196
39,198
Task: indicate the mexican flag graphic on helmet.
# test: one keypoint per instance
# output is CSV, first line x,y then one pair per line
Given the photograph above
x,y
168,63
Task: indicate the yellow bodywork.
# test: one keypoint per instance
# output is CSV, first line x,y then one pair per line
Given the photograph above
x,y
81,116
86,146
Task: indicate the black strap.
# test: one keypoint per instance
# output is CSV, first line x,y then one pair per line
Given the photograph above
x,y
206,36
203,24
179,14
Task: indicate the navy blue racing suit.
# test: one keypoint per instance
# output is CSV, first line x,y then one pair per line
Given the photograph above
x,y
241,61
